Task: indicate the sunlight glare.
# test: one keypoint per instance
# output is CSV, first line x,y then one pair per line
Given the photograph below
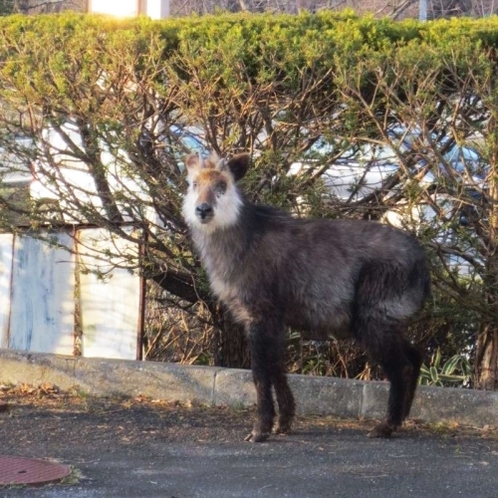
x,y
119,8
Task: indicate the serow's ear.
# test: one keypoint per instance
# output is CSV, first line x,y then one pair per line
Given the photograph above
x,y
239,165
192,162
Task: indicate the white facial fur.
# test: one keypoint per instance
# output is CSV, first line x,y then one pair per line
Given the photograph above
x,y
202,188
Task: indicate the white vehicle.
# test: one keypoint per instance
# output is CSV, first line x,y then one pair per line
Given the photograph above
x,y
15,171
63,180
66,183
363,171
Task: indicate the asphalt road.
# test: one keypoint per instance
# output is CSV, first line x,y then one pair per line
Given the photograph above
x,y
142,449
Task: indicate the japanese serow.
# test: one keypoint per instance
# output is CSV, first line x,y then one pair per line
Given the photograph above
x,y
322,277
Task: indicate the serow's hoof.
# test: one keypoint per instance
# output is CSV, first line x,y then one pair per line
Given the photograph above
x,y
257,437
383,430
283,428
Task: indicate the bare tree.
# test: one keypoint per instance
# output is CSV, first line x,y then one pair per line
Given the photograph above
x,y
47,6
399,9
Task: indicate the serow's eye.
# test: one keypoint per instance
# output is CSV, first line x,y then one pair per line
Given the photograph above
x,y
194,185
220,187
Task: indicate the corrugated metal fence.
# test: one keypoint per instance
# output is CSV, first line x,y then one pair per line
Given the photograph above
x,y
41,282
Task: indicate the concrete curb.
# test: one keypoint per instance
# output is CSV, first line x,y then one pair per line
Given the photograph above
x,y
232,387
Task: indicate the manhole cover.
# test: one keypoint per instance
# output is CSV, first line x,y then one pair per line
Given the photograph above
x,y
23,470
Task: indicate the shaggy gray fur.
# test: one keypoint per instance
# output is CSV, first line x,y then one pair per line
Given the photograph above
x,y
322,277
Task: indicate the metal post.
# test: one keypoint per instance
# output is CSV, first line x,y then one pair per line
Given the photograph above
x,y
422,10
157,9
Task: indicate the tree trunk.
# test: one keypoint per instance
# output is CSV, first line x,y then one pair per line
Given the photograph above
x,y
486,364
231,348
487,358
180,285
230,344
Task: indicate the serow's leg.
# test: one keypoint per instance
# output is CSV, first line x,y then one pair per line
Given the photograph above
x,y
285,399
261,343
400,372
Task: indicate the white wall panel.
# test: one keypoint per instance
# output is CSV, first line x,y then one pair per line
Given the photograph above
x,y
42,306
6,248
109,296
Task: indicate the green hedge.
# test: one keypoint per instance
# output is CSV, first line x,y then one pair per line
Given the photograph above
x,y
260,48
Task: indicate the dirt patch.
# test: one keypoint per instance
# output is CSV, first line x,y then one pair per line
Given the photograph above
x,y
36,420
34,415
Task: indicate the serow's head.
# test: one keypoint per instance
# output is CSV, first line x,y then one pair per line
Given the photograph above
x,y
213,201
